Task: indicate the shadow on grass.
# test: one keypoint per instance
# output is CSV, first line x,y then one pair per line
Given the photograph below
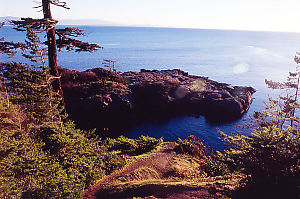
x,y
286,189
157,191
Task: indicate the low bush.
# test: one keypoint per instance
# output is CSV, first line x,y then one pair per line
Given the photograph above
x,y
211,163
193,146
213,166
133,146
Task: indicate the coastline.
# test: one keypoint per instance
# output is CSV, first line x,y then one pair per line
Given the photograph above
x,y
113,102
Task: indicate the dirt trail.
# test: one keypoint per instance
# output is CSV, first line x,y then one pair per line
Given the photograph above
x,y
164,173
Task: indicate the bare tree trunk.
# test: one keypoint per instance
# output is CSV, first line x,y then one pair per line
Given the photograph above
x,y
52,52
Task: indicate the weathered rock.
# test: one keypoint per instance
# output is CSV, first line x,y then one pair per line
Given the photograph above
x,y
148,95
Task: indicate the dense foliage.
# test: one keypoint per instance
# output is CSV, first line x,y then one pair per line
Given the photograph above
x,y
267,153
43,155
271,158
133,146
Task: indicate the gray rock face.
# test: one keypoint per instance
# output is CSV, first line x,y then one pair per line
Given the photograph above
x,y
152,94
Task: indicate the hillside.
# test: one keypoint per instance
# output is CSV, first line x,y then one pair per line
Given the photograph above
x,y
166,172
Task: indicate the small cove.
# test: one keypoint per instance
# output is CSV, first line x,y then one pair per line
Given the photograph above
x,y
244,58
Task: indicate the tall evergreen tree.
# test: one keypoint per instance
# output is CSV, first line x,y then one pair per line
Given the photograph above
x,y
61,38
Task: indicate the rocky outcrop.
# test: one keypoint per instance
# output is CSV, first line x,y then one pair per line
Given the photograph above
x,y
94,100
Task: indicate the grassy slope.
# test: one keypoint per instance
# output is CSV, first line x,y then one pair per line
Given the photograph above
x,y
162,173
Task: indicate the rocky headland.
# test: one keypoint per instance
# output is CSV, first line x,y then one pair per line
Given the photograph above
x,y
112,102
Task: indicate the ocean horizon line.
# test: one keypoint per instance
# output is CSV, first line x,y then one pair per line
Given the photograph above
x,y
112,24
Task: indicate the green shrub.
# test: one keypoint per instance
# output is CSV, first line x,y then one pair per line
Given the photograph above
x,y
214,167
269,152
193,146
133,146
111,162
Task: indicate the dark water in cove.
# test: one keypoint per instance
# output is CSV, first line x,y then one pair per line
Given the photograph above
x,y
243,58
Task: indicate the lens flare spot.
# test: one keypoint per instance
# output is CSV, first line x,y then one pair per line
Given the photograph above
x,y
241,68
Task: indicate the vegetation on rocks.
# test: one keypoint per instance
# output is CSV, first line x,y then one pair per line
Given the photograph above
x,y
147,96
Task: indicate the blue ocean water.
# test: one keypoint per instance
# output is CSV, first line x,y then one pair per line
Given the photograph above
x,y
243,58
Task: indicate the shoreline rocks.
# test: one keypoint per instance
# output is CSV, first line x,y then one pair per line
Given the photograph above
x,y
112,102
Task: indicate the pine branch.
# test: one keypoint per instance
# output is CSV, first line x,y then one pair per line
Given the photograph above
x,y
11,47
36,24
274,85
77,45
36,52
60,4
65,40
70,32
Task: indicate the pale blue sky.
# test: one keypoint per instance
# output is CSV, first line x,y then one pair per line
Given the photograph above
x,y
270,15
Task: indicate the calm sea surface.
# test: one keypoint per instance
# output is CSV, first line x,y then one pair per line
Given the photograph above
x,y
243,58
